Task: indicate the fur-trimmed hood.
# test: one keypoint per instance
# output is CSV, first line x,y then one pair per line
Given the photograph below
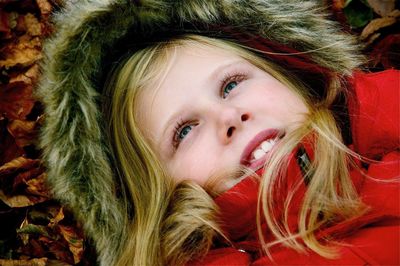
x,y
90,33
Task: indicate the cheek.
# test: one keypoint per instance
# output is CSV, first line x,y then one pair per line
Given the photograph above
x,y
282,101
196,165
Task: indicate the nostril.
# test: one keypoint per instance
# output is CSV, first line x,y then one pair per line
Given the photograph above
x,y
230,132
244,117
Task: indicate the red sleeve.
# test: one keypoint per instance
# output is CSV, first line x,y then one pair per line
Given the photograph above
x,y
373,239
376,245
381,188
375,113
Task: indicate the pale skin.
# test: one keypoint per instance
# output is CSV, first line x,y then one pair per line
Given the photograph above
x,y
209,107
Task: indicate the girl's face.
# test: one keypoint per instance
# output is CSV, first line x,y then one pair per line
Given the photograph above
x,y
215,111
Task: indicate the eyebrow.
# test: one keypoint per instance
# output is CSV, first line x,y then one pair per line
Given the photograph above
x,y
215,74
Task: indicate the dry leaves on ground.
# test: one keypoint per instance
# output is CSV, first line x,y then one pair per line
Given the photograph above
x,y
36,230
376,23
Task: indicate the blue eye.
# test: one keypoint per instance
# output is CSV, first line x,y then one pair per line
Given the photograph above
x,y
182,129
184,132
228,88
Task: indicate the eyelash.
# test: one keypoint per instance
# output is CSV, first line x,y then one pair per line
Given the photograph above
x,y
179,125
230,77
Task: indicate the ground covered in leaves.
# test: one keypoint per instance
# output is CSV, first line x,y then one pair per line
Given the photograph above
x,y
37,230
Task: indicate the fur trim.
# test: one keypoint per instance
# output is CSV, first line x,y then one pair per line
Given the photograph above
x,y
72,140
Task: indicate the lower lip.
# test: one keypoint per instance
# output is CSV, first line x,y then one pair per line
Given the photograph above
x,y
257,164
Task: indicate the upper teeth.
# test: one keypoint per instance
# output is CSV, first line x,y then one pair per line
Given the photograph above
x,y
264,147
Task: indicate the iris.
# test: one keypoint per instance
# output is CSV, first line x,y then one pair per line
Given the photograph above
x,y
229,87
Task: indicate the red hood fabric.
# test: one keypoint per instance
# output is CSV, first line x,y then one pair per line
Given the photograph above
x,y
373,238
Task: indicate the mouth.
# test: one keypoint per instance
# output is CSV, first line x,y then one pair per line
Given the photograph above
x,y
256,151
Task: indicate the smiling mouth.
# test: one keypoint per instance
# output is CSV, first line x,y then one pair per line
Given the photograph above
x,y
255,153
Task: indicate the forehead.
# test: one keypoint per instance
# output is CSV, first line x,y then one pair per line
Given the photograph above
x,y
188,62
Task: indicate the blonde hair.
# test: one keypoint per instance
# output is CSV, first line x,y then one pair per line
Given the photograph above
x,y
171,223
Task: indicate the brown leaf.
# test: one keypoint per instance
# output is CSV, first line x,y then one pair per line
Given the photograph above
x,y
386,52
43,214
37,186
8,148
20,163
56,219
338,5
61,254
24,237
28,24
58,249
22,178
53,211
20,25
29,77
5,27
378,23
382,7
16,100
24,132
31,262
24,53
75,242
18,201
45,7
34,27
36,249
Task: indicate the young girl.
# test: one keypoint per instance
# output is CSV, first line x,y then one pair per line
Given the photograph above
x,y
221,133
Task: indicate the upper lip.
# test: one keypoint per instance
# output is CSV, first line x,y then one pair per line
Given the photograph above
x,y
255,142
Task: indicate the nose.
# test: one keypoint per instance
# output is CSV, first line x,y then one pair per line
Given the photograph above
x,y
230,120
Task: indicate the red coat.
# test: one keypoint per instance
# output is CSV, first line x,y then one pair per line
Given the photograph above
x,y
374,238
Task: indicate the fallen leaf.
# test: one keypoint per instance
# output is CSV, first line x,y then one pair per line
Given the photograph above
x,y
24,237
386,52
36,216
36,249
5,27
26,23
338,4
33,229
54,211
75,242
21,179
58,249
61,252
379,23
22,5
37,186
58,218
29,262
29,77
18,164
44,7
16,100
34,27
24,132
24,53
18,201
8,148
382,7
372,39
